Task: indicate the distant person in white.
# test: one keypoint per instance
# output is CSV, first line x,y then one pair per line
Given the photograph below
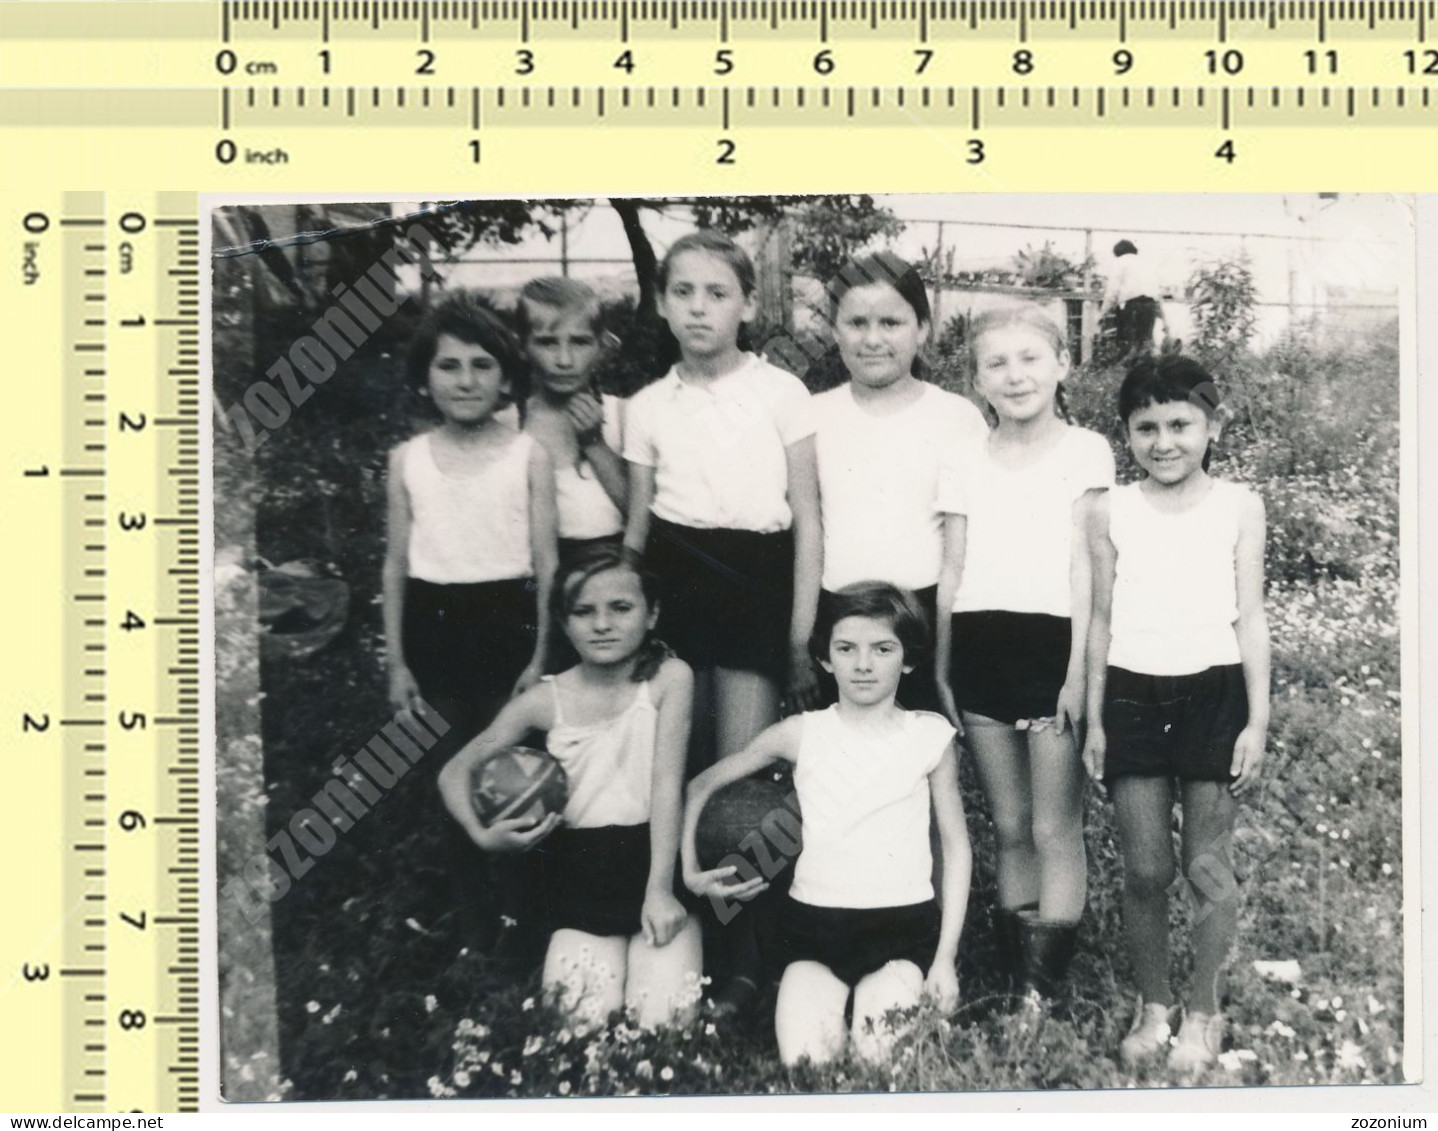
x,y
1133,292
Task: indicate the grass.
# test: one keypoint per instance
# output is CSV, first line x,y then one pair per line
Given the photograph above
x,y
377,997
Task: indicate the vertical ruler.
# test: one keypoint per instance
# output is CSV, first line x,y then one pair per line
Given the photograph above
x,y
101,482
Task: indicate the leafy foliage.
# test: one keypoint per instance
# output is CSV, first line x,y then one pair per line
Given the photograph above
x,y
1223,300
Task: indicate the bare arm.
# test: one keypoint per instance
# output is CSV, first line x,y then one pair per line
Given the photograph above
x,y
663,915
531,711
957,856
1071,697
808,568
951,573
544,548
1253,648
641,497
1102,557
608,465
396,572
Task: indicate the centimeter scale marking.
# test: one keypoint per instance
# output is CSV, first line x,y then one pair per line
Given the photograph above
x,y
102,671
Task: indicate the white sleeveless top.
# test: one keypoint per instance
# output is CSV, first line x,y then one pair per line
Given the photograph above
x,y
468,528
585,508
1175,591
865,809
610,763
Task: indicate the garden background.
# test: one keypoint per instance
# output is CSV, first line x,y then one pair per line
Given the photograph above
x,y
354,983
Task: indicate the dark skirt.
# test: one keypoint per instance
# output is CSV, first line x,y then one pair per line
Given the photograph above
x,y
853,942
1174,726
593,880
466,644
916,689
725,595
1009,666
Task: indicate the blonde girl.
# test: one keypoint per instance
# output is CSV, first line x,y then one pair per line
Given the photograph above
x,y
1011,649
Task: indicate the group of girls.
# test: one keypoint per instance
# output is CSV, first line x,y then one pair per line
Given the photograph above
x,y
900,576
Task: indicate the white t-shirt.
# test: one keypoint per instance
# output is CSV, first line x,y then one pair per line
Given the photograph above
x,y
1020,522
1131,277
1175,588
584,506
864,802
718,449
879,484
468,528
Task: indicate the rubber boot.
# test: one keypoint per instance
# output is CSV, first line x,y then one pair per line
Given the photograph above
x,y
1048,949
1009,940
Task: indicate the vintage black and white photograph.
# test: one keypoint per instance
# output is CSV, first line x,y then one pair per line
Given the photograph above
x,y
810,644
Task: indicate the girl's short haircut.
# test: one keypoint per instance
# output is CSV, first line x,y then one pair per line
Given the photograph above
x,y
1167,379
564,296
1124,247
594,560
464,315
713,243
878,600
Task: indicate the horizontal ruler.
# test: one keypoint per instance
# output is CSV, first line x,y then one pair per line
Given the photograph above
x,y
186,43
558,139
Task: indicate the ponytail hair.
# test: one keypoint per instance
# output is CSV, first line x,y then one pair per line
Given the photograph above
x,y
1024,316
599,559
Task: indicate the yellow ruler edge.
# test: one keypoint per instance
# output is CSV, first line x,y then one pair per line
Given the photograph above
x,y
100,958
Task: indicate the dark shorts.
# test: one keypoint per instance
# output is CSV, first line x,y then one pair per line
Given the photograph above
x,y
571,549
466,644
593,880
725,595
853,942
916,689
1009,666
1174,726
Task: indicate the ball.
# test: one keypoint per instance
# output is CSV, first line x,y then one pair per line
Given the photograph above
x,y
752,824
518,783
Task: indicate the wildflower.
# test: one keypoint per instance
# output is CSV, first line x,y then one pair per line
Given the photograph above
x,y
1350,1056
507,921
436,1086
709,1029
431,1003
666,1073
461,1078
644,1070
1375,1007
351,1076
329,1017
563,1088
413,925
1387,869
1337,1003
563,1037
528,1004
1279,1029
497,1068
532,1045
515,1079
312,1007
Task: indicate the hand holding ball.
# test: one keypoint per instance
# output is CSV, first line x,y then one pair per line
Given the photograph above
x,y
518,783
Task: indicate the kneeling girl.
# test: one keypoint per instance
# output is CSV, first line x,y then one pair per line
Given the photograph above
x,y
860,916
618,723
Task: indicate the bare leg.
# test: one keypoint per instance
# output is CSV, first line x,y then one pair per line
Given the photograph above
x,y
663,981
809,1016
1057,775
587,971
1144,809
745,703
896,985
1002,757
1209,813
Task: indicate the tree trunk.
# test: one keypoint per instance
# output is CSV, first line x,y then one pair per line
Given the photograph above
x,y
646,263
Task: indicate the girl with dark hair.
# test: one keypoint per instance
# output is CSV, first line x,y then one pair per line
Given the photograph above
x,y
1014,606
860,919
1178,683
880,440
471,545
618,722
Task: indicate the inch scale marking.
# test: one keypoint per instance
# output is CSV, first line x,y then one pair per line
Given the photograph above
x,y
101,677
